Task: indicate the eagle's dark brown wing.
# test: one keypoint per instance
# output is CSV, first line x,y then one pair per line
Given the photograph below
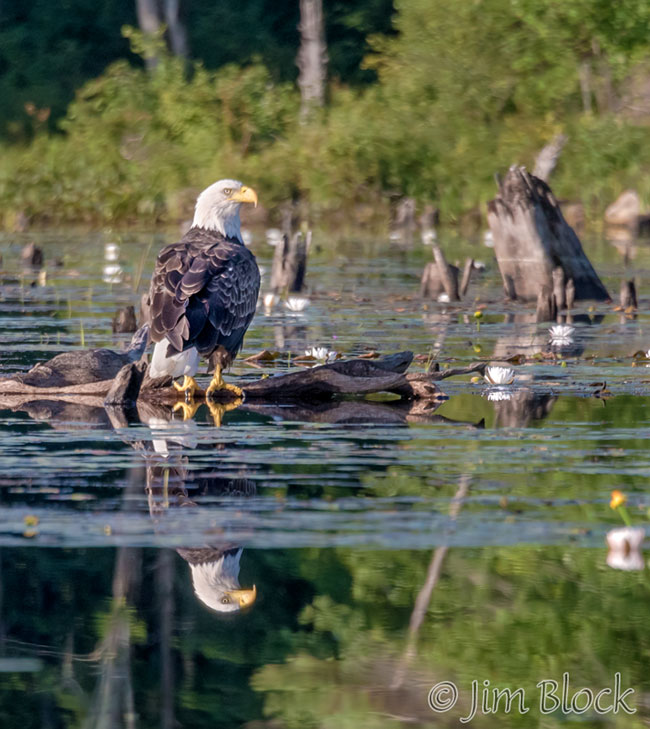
x,y
203,293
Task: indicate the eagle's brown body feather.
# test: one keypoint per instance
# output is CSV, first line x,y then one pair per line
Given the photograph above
x,y
203,294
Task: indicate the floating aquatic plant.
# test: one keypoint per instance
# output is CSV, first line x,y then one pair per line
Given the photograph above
x,y
496,375
624,544
270,302
561,334
322,354
296,304
498,395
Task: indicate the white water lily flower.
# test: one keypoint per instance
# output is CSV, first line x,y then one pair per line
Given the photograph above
x,y
273,236
561,334
625,548
111,252
496,375
429,236
443,298
498,395
316,352
321,353
112,273
270,301
296,303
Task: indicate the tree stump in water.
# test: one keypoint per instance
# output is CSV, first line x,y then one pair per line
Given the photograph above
x,y
124,321
628,295
290,263
532,239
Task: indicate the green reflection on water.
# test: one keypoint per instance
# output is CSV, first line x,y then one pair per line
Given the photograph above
x,y
327,644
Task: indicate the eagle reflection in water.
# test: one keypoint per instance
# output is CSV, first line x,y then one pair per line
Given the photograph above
x,y
170,485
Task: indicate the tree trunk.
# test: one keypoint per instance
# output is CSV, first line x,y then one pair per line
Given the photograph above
x,y
151,14
175,28
289,265
149,22
312,56
532,238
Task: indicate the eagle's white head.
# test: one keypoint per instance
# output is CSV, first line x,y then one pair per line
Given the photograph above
x,y
217,207
216,584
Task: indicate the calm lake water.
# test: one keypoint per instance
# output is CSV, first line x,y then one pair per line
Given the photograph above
x,y
390,550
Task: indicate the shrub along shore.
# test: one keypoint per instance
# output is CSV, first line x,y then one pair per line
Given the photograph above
x,y
461,93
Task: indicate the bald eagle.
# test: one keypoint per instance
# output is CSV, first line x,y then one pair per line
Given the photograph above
x,y
204,291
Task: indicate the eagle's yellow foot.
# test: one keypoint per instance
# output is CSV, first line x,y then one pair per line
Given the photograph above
x,y
218,409
218,383
189,408
189,387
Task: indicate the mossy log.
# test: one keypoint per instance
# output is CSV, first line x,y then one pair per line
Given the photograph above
x,y
532,239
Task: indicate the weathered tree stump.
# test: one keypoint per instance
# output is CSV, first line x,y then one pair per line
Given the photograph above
x,y
467,276
404,224
559,288
124,321
532,238
546,306
570,294
290,263
32,256
432,284
628,296
548,158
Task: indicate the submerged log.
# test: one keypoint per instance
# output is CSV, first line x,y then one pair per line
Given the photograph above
x,y
532,238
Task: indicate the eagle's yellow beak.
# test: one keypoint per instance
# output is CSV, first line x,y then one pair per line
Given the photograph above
x,y
243,597
245,195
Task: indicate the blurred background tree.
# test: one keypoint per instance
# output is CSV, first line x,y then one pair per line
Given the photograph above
x,y
422,98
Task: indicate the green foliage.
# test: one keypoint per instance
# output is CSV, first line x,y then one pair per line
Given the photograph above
x,y
134,138
462,91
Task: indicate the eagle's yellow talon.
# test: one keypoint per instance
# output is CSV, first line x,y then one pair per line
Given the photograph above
x,y
189,387
218,383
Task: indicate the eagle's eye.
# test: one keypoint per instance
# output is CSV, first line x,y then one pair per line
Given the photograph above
x,y
225,601
227,191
